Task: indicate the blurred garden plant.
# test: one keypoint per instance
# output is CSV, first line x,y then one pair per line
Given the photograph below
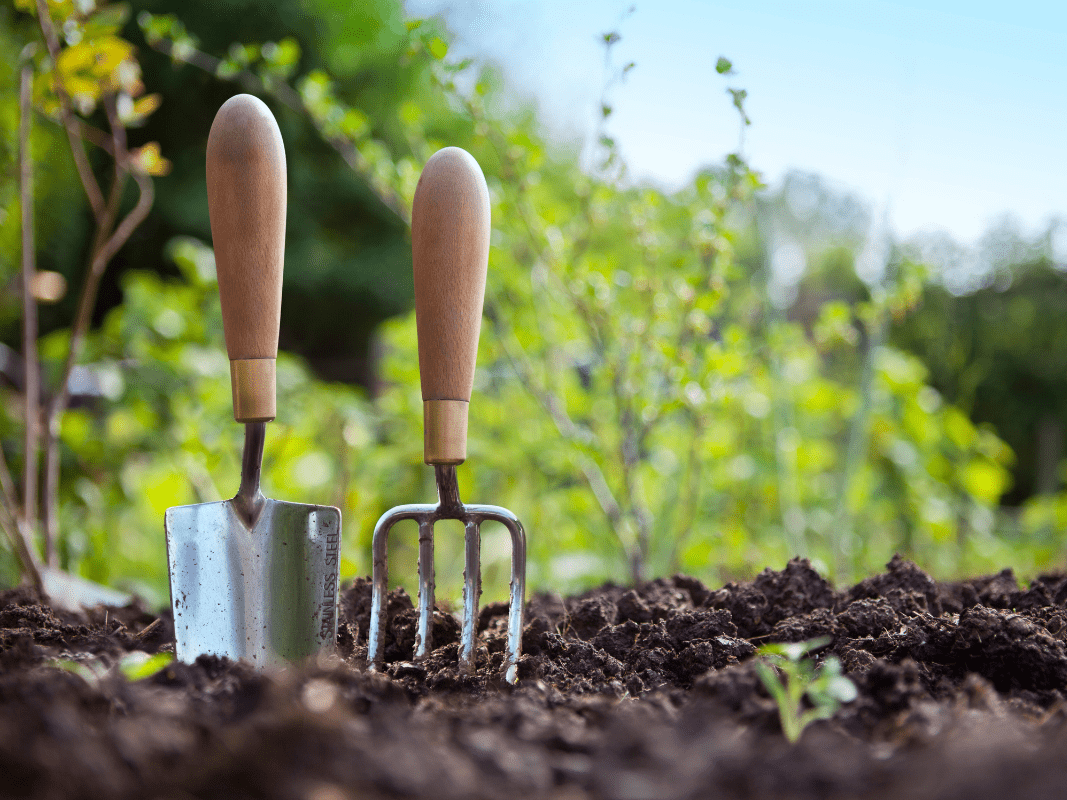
x,y
660,390
79,65
640,399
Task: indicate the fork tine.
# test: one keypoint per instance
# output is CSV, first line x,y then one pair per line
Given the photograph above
x,y
472,590
424,635
380,574
516,609
518,598
379,586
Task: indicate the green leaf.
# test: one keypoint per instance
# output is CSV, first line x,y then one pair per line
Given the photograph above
x,y
438,47
723,66
139,665
285,53
842,689
89,672
149,160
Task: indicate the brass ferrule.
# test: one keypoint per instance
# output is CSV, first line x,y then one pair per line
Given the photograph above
x,y
444,424
254,389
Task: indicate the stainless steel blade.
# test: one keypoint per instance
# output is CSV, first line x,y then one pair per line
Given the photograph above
x,y
265,593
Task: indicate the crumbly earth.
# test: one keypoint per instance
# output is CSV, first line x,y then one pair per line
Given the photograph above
x,y
623,694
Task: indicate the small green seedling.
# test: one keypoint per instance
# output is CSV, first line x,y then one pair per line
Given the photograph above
x,y
788,676
135,666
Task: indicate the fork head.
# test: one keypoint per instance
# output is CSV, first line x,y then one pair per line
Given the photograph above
x,y
449,506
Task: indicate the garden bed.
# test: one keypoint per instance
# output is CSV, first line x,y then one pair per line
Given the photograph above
x,y
623,694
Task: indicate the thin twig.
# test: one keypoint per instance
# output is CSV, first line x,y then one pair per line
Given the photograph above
x,y
87,132
291,98
594,476
14,529
105,245
95,136
692,495
856,448
789,501
7,487
31,372
81,162
149,630
82,318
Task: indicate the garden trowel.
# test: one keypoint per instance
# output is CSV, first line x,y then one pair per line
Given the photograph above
x,y
251,578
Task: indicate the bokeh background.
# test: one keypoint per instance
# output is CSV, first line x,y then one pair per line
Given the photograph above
x,y
687,364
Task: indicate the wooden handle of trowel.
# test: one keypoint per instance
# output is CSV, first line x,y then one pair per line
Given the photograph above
x,y
450,252
246,200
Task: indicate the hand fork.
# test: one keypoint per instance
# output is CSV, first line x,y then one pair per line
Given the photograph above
x,y
450,251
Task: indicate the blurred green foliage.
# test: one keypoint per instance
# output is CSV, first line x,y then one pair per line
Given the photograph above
x,y
347,249
640,402
1002,359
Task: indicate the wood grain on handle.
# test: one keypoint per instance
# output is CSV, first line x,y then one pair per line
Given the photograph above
x,y
450,253
246,189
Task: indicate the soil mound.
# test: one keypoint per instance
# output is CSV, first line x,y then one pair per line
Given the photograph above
x,y
623,693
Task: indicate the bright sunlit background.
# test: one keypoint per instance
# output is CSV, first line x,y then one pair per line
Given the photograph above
x,y
953,111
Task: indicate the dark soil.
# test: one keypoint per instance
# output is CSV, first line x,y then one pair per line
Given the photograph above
x,y
623,694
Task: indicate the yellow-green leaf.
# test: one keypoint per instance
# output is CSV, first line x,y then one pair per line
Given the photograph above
x,y
138,665
149,160
438,47
144,106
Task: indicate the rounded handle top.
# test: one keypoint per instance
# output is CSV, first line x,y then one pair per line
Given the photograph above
x,y
246,189
450,225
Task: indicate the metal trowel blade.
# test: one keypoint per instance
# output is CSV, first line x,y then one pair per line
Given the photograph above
x,y
266,594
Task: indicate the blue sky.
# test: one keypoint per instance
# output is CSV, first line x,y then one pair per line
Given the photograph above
x,y
955,113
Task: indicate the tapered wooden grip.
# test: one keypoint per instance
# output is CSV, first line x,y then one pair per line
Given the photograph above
x,y
246,188
450,252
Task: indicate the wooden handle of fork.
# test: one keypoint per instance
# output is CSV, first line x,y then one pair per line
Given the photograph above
x,y
450,253
246,187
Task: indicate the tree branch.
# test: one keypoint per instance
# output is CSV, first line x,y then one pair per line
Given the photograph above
x,y
103,254
31,372
81,162
13,527
291,98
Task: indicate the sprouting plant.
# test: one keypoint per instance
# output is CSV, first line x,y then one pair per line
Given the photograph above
x,y
789,677
134,666
138,665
